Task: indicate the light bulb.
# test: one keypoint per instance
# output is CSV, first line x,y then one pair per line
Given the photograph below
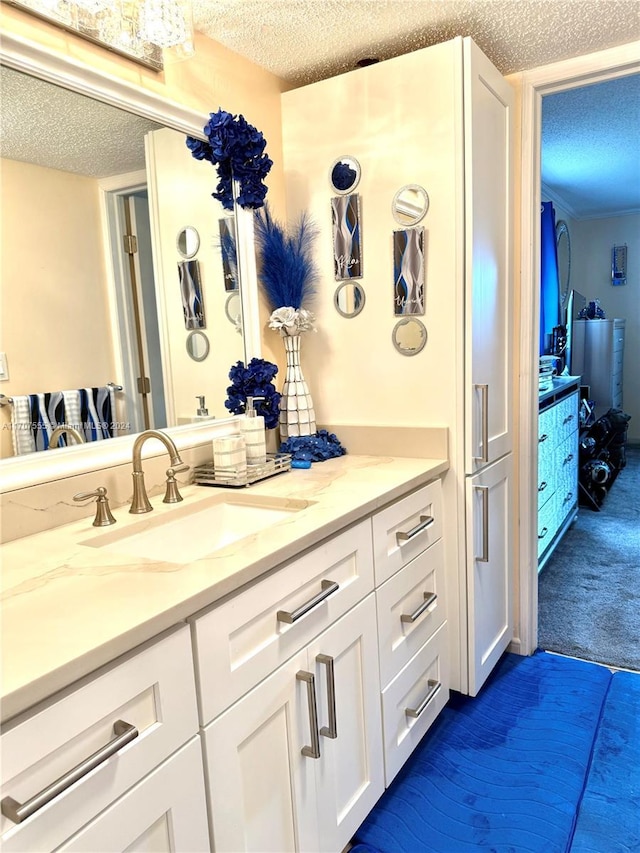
x,y
163,22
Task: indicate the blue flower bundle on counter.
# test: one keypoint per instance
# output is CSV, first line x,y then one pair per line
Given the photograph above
x,y
255,380
313,448
237,149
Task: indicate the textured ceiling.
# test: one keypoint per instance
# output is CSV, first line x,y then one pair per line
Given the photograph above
x,y
304,41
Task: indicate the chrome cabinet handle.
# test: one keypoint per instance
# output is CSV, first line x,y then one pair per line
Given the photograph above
x,y
434,687
312,751
568,419
568,459
429,598
327,589
484,438
542,437
542,486
17,812
568,497
425,521
484,491
332,729
543,533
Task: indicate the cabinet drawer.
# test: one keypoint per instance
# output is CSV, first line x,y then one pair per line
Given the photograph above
x,y
546,428
546,524
413,700
618,339
616,387
406,528
546,460
404,623
153,690
566,460
242,640
566,417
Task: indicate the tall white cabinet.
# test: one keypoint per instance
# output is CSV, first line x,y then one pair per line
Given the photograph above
x,y
599,356
441,118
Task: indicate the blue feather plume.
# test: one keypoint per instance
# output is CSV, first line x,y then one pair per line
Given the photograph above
x,y
287,271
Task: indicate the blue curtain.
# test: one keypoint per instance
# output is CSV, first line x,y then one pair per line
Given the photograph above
x,y
549,290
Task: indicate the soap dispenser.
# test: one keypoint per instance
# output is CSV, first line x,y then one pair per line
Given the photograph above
x,y
254,434
202,411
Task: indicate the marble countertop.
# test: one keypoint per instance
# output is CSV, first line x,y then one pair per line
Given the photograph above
x,y
68,607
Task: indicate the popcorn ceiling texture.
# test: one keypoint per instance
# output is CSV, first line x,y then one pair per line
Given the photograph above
x,y
303,41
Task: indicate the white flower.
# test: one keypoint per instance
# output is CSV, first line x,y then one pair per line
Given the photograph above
x,y
291,321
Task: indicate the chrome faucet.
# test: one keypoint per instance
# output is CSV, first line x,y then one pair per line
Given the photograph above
x,y
61,430
140,502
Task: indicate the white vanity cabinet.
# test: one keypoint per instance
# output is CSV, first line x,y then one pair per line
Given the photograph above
x,y
142,709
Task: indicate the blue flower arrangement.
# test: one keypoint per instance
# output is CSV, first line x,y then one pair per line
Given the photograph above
x,y
287,271
237,149
255,380
313,448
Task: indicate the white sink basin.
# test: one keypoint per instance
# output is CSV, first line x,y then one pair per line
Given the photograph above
x,y
183,534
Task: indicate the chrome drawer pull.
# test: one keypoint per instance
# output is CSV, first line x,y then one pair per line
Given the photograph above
x,y
543,533
568,497
484,438
484,491
332,729
434,687
17,812
425,521
568,459
312,751
568,419
542,486
542,438
327,589
429,598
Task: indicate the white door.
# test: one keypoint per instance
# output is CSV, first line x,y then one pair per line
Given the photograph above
x,y
262,788
489,568
166,811
350,772
488,134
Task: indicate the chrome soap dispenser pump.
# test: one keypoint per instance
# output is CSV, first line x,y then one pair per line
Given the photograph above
x,y
253,430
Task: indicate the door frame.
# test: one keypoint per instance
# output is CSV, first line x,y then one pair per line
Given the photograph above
x,y
569,74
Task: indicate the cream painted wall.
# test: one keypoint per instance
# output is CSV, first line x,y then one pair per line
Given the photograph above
x,y
53,280
183,196
591,244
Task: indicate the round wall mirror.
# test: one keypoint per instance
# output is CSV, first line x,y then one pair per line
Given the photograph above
x,y
409,336
563,249
188,241
349,299
410,204
344,174
198,345
233,308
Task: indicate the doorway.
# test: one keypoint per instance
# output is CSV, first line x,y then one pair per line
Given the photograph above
x,y
581,71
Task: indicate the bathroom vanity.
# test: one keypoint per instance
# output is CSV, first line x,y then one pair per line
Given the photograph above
x,y
259,696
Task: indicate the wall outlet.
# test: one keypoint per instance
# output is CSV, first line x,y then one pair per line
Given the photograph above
x,y
4,366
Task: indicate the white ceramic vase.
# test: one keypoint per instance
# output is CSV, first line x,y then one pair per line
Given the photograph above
x,y
297,416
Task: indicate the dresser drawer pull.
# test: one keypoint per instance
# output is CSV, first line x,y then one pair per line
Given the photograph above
x,y
484,438
568,497
425,521
434,687
542,486
568,459
327,589
312,751
568,419
332,729
17,812
542,438
543,533
429,598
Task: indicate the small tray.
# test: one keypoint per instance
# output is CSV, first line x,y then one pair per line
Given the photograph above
x,y
207,475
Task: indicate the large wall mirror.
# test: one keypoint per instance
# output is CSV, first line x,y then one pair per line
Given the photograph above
x,y
563,248
79,173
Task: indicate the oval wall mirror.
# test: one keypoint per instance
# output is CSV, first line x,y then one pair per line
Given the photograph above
x,y
410,204
188,241
198,345
233,308
563,249
349,299
409,336
345,174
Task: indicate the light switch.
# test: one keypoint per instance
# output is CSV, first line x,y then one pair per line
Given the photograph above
x,y
4,367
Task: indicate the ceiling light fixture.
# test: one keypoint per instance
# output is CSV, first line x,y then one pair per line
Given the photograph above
x,y
137,29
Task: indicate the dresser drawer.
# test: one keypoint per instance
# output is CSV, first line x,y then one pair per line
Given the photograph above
x,y
152,692
411,607
566,417
618,338
547,523
616,389
546,428
406,528
413,700
546,472
242,640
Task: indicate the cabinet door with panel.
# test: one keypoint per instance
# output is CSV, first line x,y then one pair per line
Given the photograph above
x,y
489,568
296,764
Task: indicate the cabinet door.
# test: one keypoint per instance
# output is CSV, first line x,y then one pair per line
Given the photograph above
x,y
489,562
262,788
488,134
350,771
165,812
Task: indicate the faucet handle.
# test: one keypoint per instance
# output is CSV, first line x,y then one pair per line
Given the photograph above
x,y
104,516
172,495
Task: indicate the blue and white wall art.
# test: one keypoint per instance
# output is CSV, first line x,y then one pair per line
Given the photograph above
x,y
408,271
191,291
347,249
